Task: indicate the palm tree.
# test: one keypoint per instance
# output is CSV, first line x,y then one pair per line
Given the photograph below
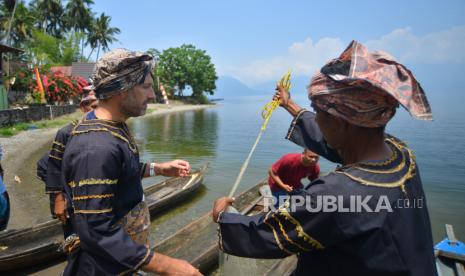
x,y
92,39
80,18
21,26
102,34
49,14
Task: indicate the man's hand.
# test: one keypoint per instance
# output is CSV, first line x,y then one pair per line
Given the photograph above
x,y
286,102
176,168
287,188
164,265
60,208
220,205
282,94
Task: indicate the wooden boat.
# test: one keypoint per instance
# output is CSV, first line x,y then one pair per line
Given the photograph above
x,y
29,246
283,267
197,242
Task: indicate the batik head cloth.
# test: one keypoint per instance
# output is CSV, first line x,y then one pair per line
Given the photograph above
x,y
88,98
365,88
120,70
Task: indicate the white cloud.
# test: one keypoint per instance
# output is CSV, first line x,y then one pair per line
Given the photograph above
x,y
304,58
446,46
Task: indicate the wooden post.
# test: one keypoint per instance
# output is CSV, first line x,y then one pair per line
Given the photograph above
x,y
163,93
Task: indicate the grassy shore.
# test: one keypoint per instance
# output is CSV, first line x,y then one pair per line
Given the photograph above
x,y
12,130
9,131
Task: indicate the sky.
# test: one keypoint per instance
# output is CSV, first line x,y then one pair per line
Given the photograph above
x,y
256,41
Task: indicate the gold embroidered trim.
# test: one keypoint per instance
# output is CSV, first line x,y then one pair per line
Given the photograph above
x,y
59,144
123,129
132,147
101,120
294,122
387,162
298,228
93,196
399,183
54,157
103,124
286,236
278,242
220,239
57,150
381,171
93,211
93,181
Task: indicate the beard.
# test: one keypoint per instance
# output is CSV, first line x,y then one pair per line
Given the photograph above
x,y
132,109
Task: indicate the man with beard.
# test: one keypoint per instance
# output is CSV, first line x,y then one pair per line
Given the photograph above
x,y
103,173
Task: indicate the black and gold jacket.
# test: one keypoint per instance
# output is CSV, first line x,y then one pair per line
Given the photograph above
x,y
102,171
345,240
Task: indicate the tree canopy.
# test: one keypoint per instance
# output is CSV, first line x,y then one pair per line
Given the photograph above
x,y
60,20
185,66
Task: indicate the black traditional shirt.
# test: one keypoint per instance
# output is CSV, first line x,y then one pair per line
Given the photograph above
x,y
55,180
350,241
49,168
101,167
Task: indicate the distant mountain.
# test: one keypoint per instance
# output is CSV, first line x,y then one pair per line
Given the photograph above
x,y
299,85
444,86
229,87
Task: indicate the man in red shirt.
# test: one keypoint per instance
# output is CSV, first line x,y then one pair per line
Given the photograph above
x,y
286,174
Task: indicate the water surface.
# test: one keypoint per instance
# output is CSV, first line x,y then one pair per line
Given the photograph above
x,y
224,135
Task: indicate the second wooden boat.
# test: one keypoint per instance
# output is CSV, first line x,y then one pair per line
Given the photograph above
x,y
30,246
197,242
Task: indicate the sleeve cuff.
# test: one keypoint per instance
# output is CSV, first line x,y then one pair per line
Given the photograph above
x,y
142,170
148,256
294,122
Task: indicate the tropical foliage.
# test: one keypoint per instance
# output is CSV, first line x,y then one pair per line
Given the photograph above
x,y
21,28
48,50
186,66
102,34
53,19
56,33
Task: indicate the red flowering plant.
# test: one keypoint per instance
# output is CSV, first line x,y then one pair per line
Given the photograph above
x,y
25,81
59,88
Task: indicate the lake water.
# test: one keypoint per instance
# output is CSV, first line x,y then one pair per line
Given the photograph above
x,y
223,136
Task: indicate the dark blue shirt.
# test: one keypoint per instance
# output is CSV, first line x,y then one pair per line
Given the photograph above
x,y
101,167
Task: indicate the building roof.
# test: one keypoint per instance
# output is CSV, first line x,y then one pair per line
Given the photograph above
x,y
83,69
66,70
5,48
